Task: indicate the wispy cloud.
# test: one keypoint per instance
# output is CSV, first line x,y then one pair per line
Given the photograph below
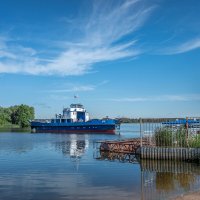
x,y
77,88
182,48
192,97
15,58
100,40
74,89
42,105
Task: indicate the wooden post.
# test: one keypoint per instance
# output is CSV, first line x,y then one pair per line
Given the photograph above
x,y
186,126
142,183
140,132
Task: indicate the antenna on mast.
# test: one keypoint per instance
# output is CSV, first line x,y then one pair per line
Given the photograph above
x,y
76,97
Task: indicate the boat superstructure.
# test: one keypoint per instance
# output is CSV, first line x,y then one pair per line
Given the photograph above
x,y
75,113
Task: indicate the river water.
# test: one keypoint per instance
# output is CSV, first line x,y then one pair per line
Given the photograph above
x,y
68,166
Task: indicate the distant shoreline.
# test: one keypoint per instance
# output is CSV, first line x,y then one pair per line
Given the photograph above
x,y
14,128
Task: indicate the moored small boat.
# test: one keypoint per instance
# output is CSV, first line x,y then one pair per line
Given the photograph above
x,y
75,120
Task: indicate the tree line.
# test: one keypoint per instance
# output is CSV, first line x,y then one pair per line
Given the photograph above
x,y
17,115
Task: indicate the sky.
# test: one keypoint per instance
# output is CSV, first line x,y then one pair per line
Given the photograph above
x,y
122,58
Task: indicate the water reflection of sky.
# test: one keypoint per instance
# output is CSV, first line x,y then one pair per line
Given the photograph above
x,y
59,166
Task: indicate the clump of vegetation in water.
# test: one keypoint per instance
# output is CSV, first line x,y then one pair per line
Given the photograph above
x,y
163,137
16,115
169,137
194,141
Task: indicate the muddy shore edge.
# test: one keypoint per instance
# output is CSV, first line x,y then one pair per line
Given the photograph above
x,y
189,196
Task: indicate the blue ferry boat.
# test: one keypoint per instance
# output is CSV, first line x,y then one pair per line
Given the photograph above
x,y
74,119
192,123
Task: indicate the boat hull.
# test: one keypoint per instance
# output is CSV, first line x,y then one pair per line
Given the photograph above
x,y
74,131
73,128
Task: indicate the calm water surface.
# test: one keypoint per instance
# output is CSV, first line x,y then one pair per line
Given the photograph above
x,y
67,166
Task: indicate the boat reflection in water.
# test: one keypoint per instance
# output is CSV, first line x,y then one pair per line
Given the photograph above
x,y
73,147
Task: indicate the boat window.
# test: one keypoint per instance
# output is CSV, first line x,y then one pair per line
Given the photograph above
x,y
76,106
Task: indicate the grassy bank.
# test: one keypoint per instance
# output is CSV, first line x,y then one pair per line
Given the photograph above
x,y
13,128
9,125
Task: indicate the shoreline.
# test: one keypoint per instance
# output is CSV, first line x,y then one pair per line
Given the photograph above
x,y
14,129
189,196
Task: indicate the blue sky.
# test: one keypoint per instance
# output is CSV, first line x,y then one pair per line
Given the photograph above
x,y
123,58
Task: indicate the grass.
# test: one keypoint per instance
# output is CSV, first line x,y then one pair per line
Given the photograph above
x,y
175,137
13,128
9,126
194,141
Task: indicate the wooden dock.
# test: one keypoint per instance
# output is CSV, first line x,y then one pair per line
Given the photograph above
x,y
147,150
124,146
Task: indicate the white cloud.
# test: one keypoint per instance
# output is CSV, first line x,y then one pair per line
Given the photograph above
x,y
182,48
192,97
5,54
74,89
16,58
78,88
107,24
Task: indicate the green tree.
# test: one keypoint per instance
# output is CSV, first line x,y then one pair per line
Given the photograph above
x,y
14,114
18,114
22,115
5,114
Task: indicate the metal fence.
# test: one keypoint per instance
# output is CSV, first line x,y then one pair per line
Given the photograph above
x,y
171,132
172,139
